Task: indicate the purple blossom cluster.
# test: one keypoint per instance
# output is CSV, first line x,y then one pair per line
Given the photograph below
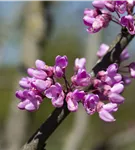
x,y
99,18
104,96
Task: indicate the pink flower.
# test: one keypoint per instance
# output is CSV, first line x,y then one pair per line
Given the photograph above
x,y
117,88
112,69
61,63
96,22
80,63
102,50
42,85
78,95
124,55
105,111
116,98
110,5
91,12
98,4
128,22
72,103
39,74
126,80
121,6
40,64
30,100
90,103
26,82
82,78
57,95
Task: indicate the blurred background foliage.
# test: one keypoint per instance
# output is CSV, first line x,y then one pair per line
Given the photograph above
x,y
32,30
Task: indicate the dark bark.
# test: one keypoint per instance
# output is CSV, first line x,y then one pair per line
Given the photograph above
x,y
36,142
113,54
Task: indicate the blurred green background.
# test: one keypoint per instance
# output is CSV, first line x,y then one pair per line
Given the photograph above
x,y
43,30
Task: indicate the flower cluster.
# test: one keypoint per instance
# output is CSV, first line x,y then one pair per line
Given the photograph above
x,y
104,97
99,18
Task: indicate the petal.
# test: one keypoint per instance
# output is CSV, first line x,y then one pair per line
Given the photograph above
x,y
39,74
124,55
22,105
61,61
117,88
40,64
51,92
32,106
127,80
24,84
58,101
106,116
78,95
112,69
88,21
41,85
102,50
110,107
19,94
116,98
58,72
72,105
80,63
98,4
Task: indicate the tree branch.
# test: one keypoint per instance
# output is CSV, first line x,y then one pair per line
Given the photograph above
x,y
113,54
36,142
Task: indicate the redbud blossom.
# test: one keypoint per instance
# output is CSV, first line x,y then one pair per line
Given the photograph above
x,y
107,86
56,94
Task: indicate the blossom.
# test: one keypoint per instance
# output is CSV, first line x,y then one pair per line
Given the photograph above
x,y
72,103
80,63
41,65
98,4
42,85
107,86
121,6
78,95
124,55
96,20
82,78
90,103
73,98
117,88
61,63
110,5
128,22
112,69
116,98
100,17
39,74
25,82
110,76
126,80
30,100
105,111
56,94
102,50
